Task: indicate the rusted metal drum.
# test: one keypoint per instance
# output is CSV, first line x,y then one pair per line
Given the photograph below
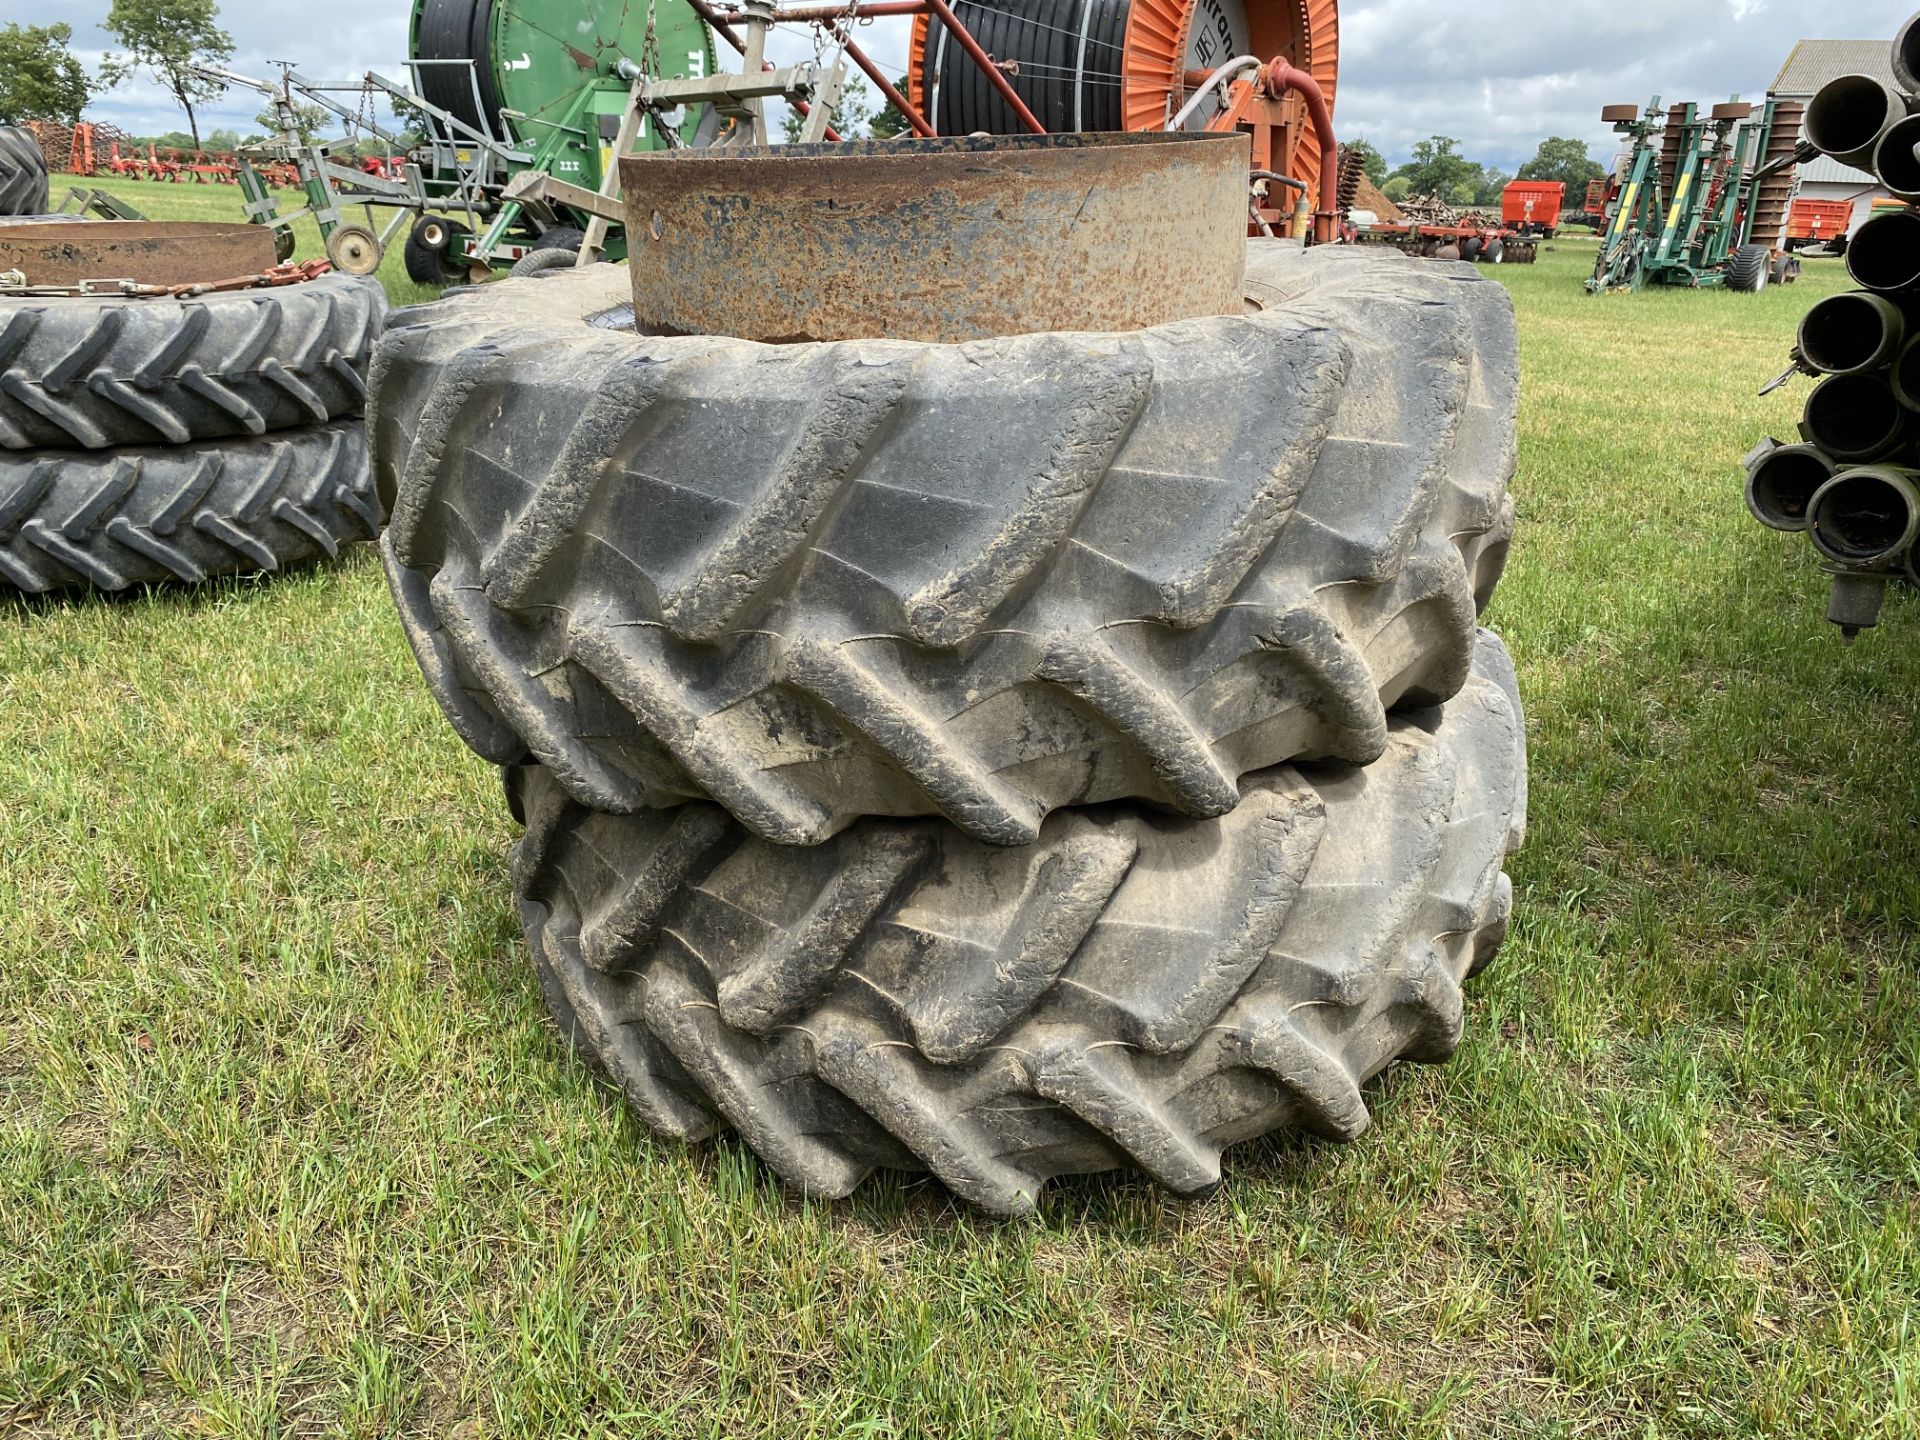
x,y
938,240
151,252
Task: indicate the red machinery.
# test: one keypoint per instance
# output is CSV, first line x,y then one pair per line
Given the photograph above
x,y
1818,222
1532,207
1265,68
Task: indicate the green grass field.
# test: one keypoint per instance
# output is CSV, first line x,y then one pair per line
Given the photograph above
x,y
287,1146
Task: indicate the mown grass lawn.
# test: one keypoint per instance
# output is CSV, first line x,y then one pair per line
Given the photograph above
x,y
288,1147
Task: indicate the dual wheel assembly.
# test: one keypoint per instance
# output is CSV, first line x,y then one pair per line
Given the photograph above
x,y
147,440
1005,758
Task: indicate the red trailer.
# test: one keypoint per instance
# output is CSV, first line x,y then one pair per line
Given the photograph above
x,y
1818,222
1532,207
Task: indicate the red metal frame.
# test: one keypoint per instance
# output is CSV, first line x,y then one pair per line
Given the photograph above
x,y
1270,104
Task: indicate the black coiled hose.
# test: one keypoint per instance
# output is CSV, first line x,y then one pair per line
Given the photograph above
x,y
458,30
1067,56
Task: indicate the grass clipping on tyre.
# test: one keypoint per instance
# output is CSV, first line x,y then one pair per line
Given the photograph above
x,y
818,581
1130,990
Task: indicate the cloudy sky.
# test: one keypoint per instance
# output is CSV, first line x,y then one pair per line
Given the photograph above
x,y
1498,74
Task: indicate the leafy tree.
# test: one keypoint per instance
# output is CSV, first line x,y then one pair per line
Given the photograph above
x,y
308,120
1375,162
1492,181
890,122
167,38
1559,158
39,77
851,115
1397,188
223,139
1461,196
1438,167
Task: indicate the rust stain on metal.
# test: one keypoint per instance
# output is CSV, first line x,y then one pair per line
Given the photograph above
x,y
152,252
939,240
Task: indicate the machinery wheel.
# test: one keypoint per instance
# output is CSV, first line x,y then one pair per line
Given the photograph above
x,y
23,173
354,250
96,371
1471,247
1748,267
815,581
560,237
1127,991
154,513
543,262
430,254
1493,252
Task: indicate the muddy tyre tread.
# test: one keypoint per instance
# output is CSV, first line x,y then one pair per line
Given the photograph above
x,y
114,519
23,173
1131,990
982,581
95,372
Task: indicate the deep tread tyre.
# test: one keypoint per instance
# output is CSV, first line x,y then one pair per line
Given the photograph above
x,y
23,173
157,513
812,582
1130,990
98,371
1748,268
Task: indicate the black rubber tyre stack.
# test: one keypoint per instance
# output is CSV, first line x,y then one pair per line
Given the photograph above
x,y
1005,760
23,173
148,440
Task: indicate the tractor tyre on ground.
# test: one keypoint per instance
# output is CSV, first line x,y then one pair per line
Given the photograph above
x,y
818,581
1493,252
1131,990
1471,247
1748,268
23,173
111,519
99,371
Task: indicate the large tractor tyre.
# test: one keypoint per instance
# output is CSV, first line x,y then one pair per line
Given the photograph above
x,y
818,581
182,513
1747,269
23,173
1129,990
98,371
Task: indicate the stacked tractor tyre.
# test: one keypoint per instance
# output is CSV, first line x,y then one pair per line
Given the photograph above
x,y
23,173
172,440
1010,759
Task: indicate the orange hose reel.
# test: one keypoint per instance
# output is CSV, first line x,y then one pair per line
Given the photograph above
x,y
1161,48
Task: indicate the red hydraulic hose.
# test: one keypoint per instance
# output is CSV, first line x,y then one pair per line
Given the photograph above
x,y
1279,76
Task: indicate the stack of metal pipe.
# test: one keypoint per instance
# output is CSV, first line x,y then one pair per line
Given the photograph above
x,y
1852,483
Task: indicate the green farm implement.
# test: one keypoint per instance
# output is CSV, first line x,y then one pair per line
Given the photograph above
x,y
1688,197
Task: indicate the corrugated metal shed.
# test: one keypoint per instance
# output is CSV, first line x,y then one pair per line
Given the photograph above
x,y
1825,170
1814,62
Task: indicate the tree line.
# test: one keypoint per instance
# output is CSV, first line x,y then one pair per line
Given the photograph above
x,y
41,79
1438,168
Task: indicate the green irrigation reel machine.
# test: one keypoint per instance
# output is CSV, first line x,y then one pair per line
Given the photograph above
x,y
512,118
1696,197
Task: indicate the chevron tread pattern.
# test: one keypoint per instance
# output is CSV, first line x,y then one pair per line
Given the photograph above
x,y
1129,990
92,372
183,513
23,173
981,581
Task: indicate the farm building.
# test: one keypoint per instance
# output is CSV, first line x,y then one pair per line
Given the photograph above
x,y
1812,64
